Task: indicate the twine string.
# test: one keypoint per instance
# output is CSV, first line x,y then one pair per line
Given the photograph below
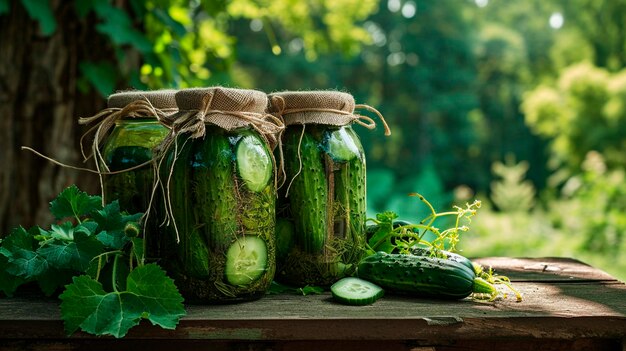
x,y
281,111
193,123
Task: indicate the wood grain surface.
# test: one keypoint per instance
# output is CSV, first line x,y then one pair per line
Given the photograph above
x,y
567,306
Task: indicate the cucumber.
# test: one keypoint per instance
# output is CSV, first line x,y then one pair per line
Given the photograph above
x,y
349,207
342,146
421,276
227,245
215,194
191,251
355,291
254,162
284,239
308,195
246,260
426,251
349,199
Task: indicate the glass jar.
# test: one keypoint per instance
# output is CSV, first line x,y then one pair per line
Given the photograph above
x,y
221,194
129,145
322,206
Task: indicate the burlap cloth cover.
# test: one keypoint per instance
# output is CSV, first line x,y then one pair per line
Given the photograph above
x,y
321,107
159,99
227,108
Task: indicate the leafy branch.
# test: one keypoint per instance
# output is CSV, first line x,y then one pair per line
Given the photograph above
x,y
95,253
392,235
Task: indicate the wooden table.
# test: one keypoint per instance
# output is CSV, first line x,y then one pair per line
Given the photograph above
x,y
567,306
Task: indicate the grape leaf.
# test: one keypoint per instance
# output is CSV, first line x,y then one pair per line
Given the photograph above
x,y
150,295
8,282
19,239
66,230
41,11
72,202
111,224
26,264
18,263
87,306
157,292
76,254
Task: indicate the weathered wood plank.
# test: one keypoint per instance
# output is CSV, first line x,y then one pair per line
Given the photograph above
x,y
573,313
570,299
544,269
593,306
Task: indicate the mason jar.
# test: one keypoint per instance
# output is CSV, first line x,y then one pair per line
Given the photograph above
x,y
219,176
321,210
128,151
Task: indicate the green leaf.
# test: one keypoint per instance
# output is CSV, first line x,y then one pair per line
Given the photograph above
x,y
75,255
8,282
64,231
40,11
27,264
111,224
278,288
163,16
101,75
67,230
118,26
381,239
87,306
150,295
21,260
163,303
311,290
5,6
19,239
72,202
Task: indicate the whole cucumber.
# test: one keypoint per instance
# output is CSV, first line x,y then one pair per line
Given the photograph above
x,y
425,251
308,194
421,276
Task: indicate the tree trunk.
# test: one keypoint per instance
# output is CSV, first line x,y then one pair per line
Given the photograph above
x,y
39,107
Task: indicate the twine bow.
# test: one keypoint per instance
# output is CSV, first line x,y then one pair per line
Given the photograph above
x,y
107,118
349,116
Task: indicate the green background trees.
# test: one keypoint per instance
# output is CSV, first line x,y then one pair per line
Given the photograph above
x,y
463,84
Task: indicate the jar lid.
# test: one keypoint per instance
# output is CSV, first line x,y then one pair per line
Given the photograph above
x,y
160,99
221,99
227,108
313,107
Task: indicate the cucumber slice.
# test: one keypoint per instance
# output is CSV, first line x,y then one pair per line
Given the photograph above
x,y
246,260
356,291
341,146
253,162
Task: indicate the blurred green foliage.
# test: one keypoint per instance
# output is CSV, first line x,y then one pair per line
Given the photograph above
x,y
512,192
462,83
